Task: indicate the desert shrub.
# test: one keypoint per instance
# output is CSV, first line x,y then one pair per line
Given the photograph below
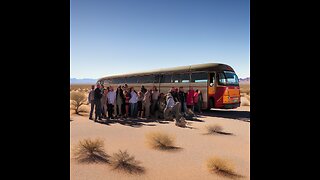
x,y
77,100
247,96
216,129
221,166
160,140
90,151
125,162
84,108
245,88
212,129
245,103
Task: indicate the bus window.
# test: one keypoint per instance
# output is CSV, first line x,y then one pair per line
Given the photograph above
x,y
222,79
156,78
107,81
199,77
148,79
131,79
119,80
212,79
175,78
165,78
185,78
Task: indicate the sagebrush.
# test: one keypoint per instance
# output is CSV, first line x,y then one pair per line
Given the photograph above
x,y
90,151
125,162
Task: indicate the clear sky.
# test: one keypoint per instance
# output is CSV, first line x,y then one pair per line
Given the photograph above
x,y
121,36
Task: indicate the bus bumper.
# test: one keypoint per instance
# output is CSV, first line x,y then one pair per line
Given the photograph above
x,y
230,106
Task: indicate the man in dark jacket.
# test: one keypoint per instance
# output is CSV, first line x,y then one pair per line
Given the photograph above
x,y
91,101
97,102
182,98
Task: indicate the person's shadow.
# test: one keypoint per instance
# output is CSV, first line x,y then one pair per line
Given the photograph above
x,y
133,122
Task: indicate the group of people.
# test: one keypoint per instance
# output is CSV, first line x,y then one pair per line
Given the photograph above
x,y
126,102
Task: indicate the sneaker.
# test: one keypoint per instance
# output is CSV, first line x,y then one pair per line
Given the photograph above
x,y
91,118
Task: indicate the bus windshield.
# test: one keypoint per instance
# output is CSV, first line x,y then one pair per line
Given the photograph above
x,y
228,78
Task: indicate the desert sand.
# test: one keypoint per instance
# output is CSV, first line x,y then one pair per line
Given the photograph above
x,y
187,163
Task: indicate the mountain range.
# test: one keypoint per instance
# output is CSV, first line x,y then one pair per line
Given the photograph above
x,y
82,81
244,80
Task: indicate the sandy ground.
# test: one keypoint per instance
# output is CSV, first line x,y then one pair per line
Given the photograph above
x,y
188,163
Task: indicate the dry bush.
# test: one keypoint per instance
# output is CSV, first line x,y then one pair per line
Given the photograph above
x,y
245,102
247,96
221,167
216,129
90,151
84,108
212,129
123,161
160,140
245,88
77,100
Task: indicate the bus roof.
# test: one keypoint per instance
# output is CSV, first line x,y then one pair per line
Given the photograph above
x,y
197,67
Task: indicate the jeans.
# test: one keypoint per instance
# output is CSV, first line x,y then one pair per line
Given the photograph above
x,y
183,106
98,108
110,110
153,106
134,109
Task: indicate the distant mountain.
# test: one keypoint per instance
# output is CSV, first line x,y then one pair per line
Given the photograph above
x,y
82,81
244,80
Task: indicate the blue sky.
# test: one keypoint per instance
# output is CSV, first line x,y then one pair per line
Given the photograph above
x,y
120,36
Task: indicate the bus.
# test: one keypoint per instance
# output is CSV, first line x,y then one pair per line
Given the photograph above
x,y
218,82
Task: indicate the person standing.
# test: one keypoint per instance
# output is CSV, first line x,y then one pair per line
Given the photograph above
x,y
119,101
154,99
104,103
200,101
161,106
91,101
190,98
174,94
111,102
182,99
140,98
97,102
133,101
143,89
146,102
195,101
127,96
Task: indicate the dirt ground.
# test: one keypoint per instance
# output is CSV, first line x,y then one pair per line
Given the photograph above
x,y
187,163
